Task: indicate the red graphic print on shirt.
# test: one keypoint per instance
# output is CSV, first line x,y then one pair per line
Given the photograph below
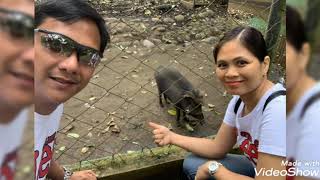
x,y
250,147
46,156
8,166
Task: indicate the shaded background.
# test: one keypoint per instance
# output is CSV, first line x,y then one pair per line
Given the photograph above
x,y
310,12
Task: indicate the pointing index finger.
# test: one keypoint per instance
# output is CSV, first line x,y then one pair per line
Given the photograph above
x,y
154,125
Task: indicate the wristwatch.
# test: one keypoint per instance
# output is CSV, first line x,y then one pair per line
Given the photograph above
x,y
213,167
67,174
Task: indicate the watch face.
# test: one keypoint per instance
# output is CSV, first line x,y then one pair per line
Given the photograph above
x,y
213,167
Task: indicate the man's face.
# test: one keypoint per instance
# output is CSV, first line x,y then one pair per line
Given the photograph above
x,y
16,57
59,77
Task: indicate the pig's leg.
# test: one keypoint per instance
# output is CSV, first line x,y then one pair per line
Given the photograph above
x,y
178,117
165,98
160,99
184,117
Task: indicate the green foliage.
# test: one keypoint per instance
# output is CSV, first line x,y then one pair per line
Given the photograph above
x,y
258,23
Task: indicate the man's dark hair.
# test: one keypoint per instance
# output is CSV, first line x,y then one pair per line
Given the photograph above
x,y
295,30
249,37
70,11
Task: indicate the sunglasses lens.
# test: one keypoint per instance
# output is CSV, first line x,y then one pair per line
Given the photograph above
x,y
65,46
18,25
57,44
90,58
20,30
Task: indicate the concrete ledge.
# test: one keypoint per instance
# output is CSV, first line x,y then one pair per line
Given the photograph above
x,y
148,162
156,163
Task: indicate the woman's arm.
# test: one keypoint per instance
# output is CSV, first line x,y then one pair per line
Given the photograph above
x,y
268,162
208,148
265,162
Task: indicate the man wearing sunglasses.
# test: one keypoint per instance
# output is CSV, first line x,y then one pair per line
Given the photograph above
x,y
70,38
16,78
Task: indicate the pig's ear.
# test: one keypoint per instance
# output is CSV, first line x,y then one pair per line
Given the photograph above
x,y
199,95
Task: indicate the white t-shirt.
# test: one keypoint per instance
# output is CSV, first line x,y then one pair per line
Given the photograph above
x,y
10,139
303,135
45,130
260,131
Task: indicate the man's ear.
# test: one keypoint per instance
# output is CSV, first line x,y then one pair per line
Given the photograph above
x,y
305,55
266,64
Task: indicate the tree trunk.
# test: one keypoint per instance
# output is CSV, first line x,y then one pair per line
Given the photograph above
x,y
276,17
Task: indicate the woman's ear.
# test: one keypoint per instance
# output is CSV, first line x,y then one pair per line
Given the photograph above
x,y
266,63
305,55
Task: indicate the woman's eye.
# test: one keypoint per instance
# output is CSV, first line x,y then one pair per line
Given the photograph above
x,y
242,63
222,65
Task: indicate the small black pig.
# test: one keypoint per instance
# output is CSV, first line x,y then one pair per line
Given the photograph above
x,y
180,92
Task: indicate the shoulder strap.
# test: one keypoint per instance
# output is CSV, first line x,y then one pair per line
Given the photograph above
x,y
237,105
270,98
273,96
314,98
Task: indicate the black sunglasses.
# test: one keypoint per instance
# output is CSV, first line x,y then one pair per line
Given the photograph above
x,y
19,25
65,46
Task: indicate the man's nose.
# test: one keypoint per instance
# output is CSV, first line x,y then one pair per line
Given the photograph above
x,y
70,64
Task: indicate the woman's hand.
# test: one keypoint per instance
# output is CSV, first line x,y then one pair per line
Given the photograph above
x,y
161,134
203,171
221,173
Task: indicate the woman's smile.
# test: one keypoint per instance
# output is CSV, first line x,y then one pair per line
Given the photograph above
x,y
233,83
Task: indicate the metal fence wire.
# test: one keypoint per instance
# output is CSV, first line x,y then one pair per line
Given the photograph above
x,y
109,118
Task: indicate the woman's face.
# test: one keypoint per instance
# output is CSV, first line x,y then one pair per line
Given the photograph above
x,y
238,69
295,64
